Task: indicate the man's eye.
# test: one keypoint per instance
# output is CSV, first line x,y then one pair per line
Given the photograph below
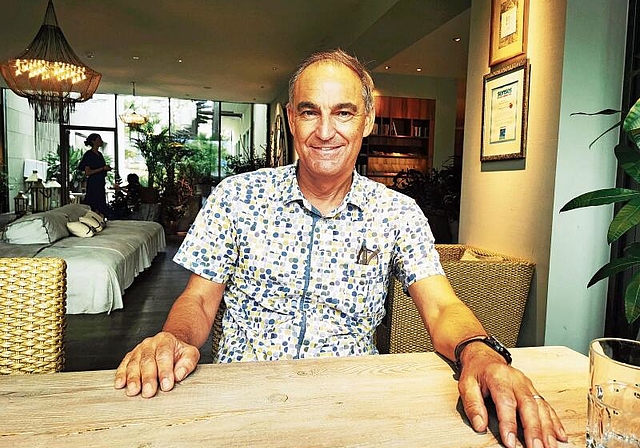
x,y
344,114
308,113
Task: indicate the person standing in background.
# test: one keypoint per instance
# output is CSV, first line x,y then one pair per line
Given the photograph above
x,y
95,168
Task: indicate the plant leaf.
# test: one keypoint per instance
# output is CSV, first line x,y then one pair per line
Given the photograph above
x,y
632,299
601,197
633,249
629,159
627,217
613,267
602,135
602,112
632,120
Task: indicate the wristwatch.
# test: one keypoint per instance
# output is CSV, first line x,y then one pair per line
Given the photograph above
x,y
489,341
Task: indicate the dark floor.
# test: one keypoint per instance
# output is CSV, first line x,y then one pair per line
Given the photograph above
x,y
100,341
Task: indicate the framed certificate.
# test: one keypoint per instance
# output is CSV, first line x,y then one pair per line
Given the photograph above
x,y
504,112
508,30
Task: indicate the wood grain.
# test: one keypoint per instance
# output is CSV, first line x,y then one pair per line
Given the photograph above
x,y
387,400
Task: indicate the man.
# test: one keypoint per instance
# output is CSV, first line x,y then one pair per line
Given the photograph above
x,y
302,255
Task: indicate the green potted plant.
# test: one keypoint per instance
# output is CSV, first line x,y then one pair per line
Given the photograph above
x,y
437,193
628,215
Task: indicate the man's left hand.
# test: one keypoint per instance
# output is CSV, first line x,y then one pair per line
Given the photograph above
x,y
513,394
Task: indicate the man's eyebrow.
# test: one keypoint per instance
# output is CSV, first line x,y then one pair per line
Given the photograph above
x,y
349,106
306,105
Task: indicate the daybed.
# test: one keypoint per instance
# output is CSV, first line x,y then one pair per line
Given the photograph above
x,y
100,267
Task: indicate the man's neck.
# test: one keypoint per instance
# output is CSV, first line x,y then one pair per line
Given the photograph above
x,y
324,194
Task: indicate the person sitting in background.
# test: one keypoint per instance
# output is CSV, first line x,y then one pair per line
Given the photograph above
x,y
127,198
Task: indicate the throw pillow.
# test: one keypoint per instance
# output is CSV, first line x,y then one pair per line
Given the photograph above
x,y
97,217
95,225
73,211
80,229
472,255
38,228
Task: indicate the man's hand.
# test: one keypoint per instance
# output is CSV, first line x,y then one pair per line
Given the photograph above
x,y
162,359
513,394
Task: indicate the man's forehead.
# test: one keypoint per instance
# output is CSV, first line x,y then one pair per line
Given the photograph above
x,y
328,73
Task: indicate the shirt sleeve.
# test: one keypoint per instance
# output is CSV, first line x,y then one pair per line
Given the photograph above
x,y
415,255
209,249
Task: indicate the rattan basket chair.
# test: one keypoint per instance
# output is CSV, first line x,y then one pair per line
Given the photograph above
x,y
495,287
32,315
216,331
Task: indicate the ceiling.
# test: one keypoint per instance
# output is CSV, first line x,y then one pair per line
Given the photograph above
x,y
242,50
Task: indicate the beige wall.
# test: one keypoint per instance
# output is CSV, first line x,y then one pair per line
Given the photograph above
x,y
508,206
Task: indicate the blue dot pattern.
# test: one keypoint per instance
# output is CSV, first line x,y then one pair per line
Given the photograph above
x,y
294,286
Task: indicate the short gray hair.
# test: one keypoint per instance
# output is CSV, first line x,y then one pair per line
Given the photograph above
x,y
338,56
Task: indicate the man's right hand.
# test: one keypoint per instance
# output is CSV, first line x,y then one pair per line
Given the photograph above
x,y
160,360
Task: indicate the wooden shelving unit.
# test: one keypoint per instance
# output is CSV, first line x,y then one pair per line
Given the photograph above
x,y
402,138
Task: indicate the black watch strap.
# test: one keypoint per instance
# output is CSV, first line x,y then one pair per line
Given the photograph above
x,y
489,341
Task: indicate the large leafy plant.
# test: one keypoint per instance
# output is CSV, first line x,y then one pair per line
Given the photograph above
x,y
628,215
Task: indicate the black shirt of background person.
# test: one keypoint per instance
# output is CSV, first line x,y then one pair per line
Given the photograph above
x,y
95,195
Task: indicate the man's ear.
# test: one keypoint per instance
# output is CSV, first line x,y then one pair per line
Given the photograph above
x,y
369,120
290,118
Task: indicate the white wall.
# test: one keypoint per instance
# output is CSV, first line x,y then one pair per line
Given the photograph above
x,y
20,131
509,206
591,81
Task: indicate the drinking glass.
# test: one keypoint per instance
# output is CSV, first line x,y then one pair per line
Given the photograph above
x,y
614,394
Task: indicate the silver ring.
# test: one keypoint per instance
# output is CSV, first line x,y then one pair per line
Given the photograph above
x,y
538,397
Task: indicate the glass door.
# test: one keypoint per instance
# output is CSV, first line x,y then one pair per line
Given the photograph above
x,y
73,148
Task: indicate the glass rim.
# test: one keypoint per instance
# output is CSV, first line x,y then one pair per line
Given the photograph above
x,y
598,353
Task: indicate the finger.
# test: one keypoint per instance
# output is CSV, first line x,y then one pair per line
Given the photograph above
x,y
121,372
537,427
506,410
186,361
166,353
558,428
133,377
551,427
149,373
473,403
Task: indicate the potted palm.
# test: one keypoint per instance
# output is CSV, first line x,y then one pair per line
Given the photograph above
x,y
628,215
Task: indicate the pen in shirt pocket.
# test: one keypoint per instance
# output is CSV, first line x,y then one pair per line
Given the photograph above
x,y
367,256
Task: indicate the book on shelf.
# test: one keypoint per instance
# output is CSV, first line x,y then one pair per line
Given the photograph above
x,y
394,131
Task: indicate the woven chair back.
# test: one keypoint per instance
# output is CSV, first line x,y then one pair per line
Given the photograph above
x,y
495,287
32,315
216,331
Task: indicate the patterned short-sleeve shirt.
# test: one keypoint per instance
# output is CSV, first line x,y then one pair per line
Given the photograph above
x,y
299,283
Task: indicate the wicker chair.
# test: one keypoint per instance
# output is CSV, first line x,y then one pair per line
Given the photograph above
x,y
495,287
32,315
216,331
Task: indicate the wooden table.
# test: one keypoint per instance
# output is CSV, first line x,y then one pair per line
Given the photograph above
x,y
389,400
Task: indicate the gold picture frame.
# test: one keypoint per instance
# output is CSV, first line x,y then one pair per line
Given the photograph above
x,y
508,30
505,106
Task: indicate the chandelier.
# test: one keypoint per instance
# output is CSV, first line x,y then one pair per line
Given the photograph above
x,y
49,74
130,117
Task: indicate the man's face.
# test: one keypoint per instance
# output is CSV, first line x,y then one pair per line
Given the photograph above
x,y
328,120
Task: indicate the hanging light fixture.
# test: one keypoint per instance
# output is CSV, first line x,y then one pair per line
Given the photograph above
x,y
130,117
49,74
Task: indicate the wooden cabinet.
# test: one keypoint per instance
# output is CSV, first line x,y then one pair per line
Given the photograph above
x,y
402,138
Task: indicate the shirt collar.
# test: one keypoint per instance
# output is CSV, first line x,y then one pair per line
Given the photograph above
x,y
355,196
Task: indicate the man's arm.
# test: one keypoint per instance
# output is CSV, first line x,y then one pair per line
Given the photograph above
x,y
485,373
172,354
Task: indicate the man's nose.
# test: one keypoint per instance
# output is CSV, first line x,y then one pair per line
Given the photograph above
x,y
325,129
